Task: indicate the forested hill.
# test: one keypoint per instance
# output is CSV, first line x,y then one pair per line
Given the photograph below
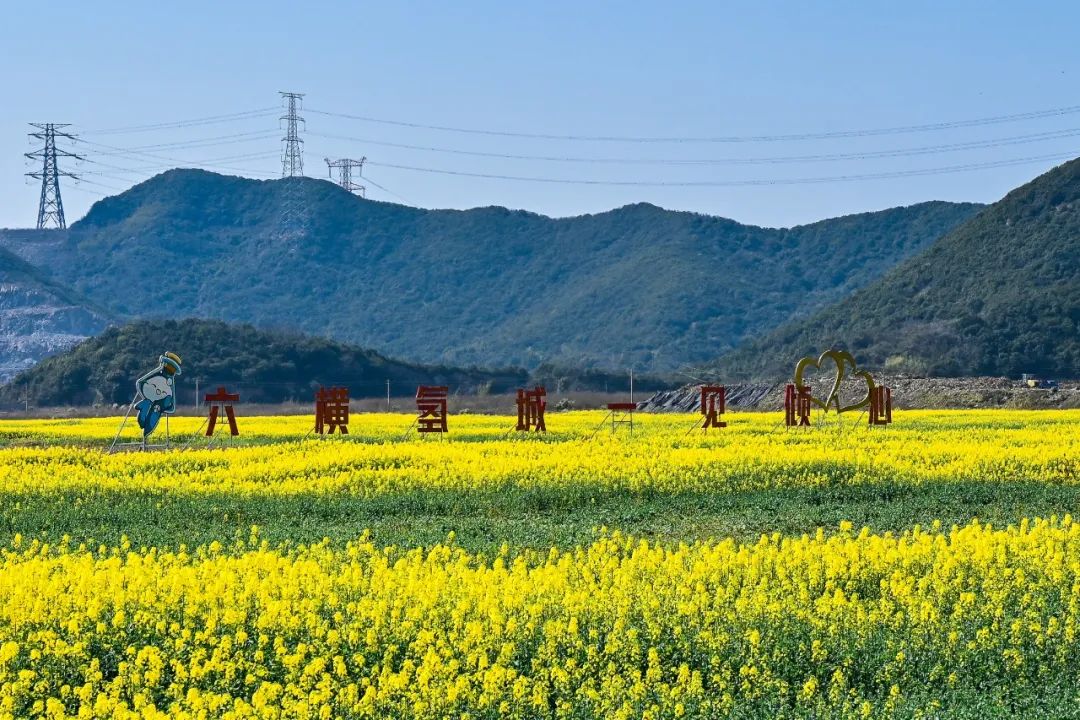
x,y
266,367
263,366
1000,295
638,286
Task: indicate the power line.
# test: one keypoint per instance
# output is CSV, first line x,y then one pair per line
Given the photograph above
x,y
124,155
209,162
899,130
209,120
174,162
89,191
51,205
781,159
126,152
386,190
292,153
210,141
99,184
739,183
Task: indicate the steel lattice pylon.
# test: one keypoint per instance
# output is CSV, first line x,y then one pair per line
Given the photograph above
x,y
292,149
51,205
294,217
345,168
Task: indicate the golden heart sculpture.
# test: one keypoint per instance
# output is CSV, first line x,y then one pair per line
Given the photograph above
x,y
842,359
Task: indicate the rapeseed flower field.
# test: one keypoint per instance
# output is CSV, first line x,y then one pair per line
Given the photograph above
x,y
926,569
276,456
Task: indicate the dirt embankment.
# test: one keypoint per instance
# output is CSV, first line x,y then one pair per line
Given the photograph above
x,y
908,392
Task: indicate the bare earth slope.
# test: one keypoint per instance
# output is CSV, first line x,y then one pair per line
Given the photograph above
x,y
908,393
38,316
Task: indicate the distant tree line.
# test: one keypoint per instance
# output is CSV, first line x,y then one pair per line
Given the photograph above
x,y
265,366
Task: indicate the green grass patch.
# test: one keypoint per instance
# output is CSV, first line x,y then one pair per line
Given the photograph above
x,y
519,518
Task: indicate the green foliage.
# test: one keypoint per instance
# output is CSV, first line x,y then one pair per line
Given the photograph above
x,y
483,522
1000,295
266,367
263,366
638,286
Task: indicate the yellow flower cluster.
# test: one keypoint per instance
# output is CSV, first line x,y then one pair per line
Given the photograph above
x,y
973,620
277,455
852,624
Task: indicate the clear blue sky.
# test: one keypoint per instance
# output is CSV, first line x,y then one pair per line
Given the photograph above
x,y
562,68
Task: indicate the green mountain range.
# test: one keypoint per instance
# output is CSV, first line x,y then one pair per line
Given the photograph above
x,y
999,295
638,286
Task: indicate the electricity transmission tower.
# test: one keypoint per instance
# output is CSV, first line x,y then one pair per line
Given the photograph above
x,y
293,211
292,149
345,168
51,206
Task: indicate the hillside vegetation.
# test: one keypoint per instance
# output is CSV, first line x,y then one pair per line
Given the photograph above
x,y
638,286
263,366
266,367
999,295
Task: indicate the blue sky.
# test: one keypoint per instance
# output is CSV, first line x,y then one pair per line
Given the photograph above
x,y
555,68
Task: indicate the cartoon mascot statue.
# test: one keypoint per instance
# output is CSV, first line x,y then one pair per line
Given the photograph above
x,y
154,392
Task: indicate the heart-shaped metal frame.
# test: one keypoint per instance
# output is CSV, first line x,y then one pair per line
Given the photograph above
x,y
842,359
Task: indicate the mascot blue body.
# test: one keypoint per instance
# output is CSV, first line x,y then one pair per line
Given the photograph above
x,y
156,392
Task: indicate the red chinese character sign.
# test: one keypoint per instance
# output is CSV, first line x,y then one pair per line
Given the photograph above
x,y
531,405
218,402
796,405
713,402
431,408
332,410
881,405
